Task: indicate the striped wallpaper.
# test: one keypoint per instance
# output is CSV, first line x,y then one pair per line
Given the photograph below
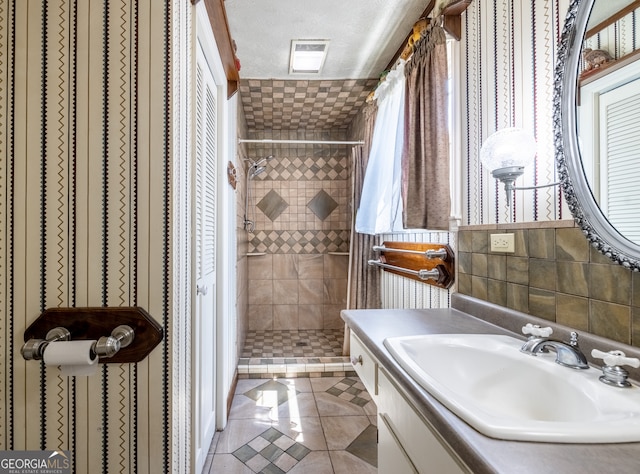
x,y
508,54
93,184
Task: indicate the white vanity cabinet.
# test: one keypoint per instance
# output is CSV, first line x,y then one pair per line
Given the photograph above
x,y
406,441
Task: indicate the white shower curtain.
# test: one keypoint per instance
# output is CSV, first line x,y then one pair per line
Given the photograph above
x,y
380,208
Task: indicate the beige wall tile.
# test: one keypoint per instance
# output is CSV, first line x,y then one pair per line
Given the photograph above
x,y
310,266
260,316
310,316
260,292
310,291
331,316
285,291
260,267
285,266
335,291
336,266
285,316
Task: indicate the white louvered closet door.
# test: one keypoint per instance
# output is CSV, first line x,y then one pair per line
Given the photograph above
x,y
620,158
203,336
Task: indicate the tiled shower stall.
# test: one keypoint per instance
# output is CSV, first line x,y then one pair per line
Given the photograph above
x,y
298,250
297,265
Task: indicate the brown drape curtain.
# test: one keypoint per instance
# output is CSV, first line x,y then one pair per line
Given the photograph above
x,y
364,281
425,157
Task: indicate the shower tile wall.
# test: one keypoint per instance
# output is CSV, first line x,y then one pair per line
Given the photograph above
x,y
301,210
296,291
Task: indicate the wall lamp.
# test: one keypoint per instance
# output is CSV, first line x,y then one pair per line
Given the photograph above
x,y
506,153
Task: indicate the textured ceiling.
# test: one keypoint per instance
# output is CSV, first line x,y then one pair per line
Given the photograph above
x,y
364,37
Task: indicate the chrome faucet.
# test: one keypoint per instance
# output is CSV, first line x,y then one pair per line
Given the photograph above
x,y
567,353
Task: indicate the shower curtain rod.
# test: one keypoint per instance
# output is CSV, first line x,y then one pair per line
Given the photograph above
x,y
310,142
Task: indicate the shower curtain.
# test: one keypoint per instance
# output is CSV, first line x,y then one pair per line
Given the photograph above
x,y
364,281
425,158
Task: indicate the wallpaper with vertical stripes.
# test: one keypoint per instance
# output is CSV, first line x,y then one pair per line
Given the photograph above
x,y
93,186
508,53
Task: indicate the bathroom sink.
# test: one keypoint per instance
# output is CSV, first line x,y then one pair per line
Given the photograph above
x,y
505,394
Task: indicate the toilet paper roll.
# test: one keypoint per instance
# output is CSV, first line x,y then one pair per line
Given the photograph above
x,y
73,357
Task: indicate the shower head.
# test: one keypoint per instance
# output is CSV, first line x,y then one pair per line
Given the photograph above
x,y
264,160
257,167
255,170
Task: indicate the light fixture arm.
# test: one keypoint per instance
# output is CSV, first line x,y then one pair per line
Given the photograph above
x,y
508,177
537,186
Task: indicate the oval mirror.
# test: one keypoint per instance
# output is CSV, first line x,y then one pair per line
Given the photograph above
x,y
600,184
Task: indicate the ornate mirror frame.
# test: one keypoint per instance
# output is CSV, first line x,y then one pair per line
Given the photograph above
x,y
594,224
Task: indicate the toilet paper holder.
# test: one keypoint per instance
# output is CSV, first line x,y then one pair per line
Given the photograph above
x,y
132,332
105,346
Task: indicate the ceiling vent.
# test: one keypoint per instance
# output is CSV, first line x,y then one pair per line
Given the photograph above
x,y
307,56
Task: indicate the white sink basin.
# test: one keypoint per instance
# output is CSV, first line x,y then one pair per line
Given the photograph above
x,y
505,394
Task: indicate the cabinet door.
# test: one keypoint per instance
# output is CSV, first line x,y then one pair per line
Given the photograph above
x,y
391,455
424,447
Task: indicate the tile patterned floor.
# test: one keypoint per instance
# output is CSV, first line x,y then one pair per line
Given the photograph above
x,y
301,353
297,425
300,343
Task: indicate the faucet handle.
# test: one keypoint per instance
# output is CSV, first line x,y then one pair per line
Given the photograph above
x,y
613,358
535,330
612,373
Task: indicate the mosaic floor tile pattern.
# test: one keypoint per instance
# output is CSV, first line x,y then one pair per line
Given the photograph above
x,y
300,343
297,425
300,353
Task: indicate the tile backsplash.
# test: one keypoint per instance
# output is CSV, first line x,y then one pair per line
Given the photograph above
x,y
553,274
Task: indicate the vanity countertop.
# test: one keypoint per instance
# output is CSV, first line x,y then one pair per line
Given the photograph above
x,y
481,453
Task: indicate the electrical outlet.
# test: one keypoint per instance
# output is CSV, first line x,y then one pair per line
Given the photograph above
x,y
502,243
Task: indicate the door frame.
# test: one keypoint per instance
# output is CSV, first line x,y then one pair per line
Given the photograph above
x,y
225,219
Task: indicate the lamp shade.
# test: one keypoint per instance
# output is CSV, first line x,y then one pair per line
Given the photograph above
x,y
507,148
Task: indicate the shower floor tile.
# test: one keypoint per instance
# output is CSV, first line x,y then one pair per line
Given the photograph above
x,y
294,344
295,353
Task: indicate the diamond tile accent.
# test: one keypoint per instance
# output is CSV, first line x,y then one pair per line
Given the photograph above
x,y
272,205
319,241
281,391
289,167
267,452
322,205
350,390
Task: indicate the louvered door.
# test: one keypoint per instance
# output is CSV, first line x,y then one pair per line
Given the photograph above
x,y
204,325
620,158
